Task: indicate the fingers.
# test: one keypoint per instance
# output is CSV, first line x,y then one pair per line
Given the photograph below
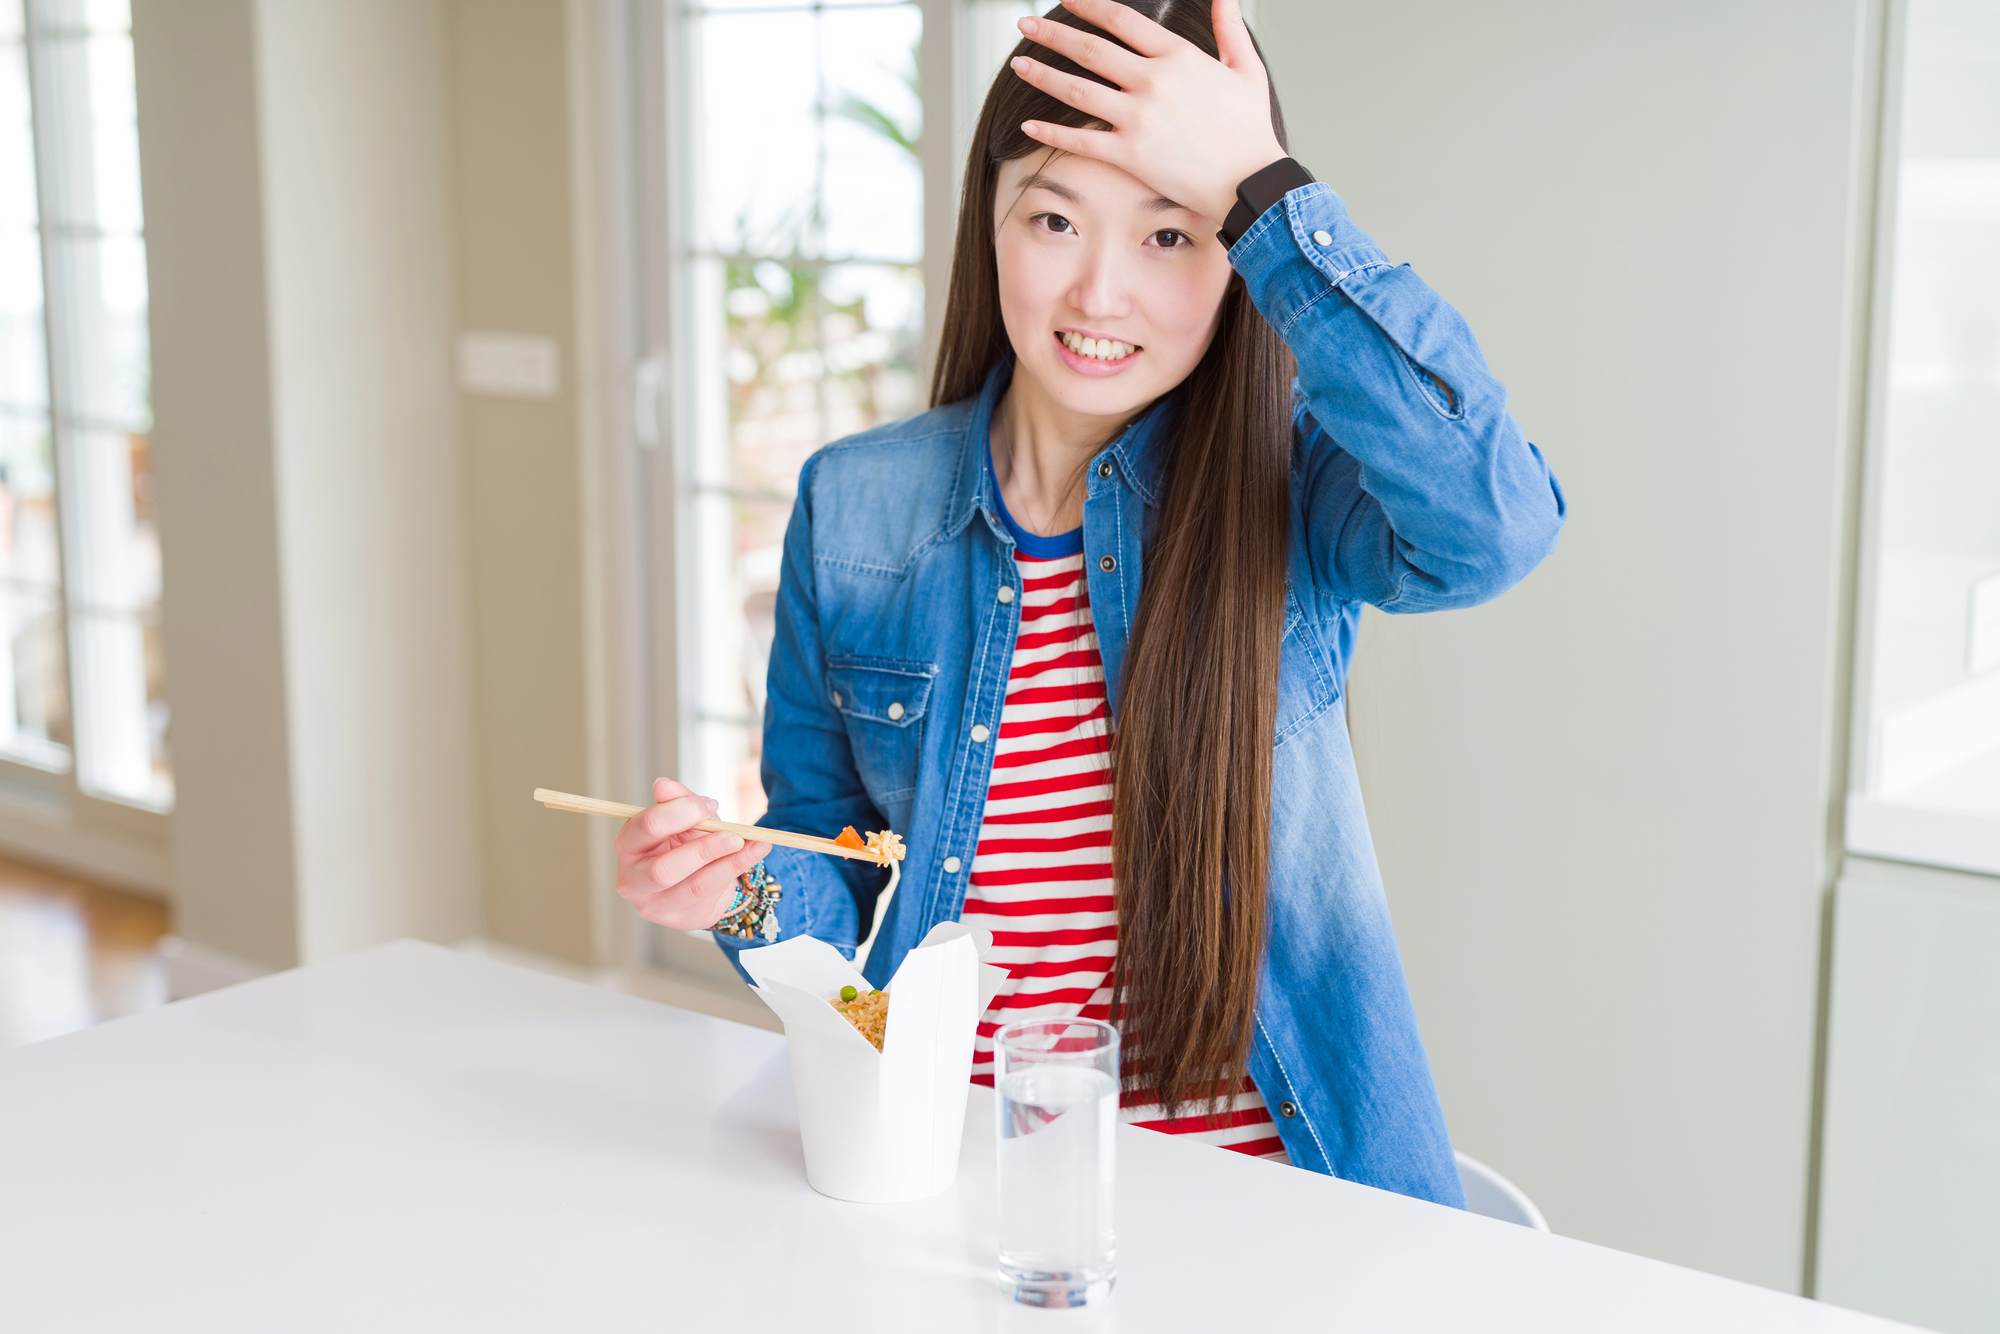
x,y
1232,36
1086,95
1102,145
695,902
657,824
1126,24
1087,49
672,865
717,877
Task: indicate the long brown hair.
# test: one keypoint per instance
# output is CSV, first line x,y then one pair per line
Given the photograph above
x,y
1198,705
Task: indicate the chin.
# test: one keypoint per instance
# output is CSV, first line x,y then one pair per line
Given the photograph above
x,y
1114,396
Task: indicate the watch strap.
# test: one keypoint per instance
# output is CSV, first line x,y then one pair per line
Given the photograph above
x,y
1259,191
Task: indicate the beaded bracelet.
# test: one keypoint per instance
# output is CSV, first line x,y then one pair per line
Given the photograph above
x,y
754,910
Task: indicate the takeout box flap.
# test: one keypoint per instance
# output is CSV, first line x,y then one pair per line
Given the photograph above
x,y
805,962
927,995
991,978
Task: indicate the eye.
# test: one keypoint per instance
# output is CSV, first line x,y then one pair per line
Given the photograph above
x,y
1054,222
1167,238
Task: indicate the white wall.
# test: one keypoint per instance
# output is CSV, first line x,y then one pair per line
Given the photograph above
x,y
353,129
1602,803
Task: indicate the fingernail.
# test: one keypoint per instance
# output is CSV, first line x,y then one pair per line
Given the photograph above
x,y
1031,127
1019,62
1030,26
713,805
731,843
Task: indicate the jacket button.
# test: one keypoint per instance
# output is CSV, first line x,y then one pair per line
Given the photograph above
x,y
1105,469
979,732
1006,593
951,866
895,712
1322,238
1288,1108
1107,563
836,699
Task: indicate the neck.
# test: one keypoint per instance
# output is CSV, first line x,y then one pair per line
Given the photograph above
x,y
1040,449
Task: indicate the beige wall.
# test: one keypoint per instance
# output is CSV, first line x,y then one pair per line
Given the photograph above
x,y
1602,804
213,460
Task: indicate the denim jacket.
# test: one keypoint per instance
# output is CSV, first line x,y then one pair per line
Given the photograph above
x,y
898,602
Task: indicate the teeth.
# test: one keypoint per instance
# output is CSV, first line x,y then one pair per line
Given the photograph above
x,y
1098,349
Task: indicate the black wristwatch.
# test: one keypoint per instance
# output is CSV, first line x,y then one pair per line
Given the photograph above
x,y
1258,192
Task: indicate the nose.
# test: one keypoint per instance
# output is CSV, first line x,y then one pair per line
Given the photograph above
x,y
1103,286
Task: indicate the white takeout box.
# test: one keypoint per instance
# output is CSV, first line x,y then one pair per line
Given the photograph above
x,y
880,1126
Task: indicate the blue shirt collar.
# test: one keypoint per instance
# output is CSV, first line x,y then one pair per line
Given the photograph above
x,y
1140,451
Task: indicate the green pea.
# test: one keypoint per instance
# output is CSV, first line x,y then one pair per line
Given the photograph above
x,y
848,993
876,992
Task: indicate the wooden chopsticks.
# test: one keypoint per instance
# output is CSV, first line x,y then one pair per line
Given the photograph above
x,y
569,801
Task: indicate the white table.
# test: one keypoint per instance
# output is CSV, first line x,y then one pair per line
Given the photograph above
x,y
413,1139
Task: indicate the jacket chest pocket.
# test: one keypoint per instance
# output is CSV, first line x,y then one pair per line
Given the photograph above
x,y
883,702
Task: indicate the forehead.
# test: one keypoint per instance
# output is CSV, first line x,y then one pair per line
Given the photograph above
x,y
1078,181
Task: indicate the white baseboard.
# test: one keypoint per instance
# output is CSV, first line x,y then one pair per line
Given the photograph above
x,y
194,969
97,854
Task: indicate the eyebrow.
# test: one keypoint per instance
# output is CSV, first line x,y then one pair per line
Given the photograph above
x,y
1157,204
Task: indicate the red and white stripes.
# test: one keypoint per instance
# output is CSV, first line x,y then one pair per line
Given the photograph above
x,y
1041,879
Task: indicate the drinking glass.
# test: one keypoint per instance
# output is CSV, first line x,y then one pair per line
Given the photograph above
x,y
1058,1086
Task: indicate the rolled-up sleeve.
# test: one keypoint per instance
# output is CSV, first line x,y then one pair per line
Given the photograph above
x,y
1419,490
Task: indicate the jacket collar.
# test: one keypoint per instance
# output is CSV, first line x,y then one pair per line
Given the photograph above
x,y
1140,449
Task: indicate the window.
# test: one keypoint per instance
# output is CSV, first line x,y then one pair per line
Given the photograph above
x,y
1930,652
81,681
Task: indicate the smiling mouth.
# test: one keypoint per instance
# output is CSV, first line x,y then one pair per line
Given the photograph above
x,y
1096,349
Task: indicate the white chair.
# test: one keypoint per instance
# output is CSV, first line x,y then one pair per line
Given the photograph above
x,y
1491,1195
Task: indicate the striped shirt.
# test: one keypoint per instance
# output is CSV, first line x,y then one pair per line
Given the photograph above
x,y
1041,878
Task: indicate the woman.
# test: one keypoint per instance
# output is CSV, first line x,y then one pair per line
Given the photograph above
x,y
1123,506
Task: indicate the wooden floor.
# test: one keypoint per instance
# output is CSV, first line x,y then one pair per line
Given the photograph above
x,y
73,954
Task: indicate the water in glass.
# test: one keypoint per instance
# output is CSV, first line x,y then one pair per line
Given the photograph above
x,y
1058,1087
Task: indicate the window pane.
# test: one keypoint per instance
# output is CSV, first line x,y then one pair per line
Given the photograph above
x,y
24,380
23,373
758,159
106,363
1936,679
874,186
17,142
114,598
34,694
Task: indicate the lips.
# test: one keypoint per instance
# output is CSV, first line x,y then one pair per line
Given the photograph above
x,y
1093,357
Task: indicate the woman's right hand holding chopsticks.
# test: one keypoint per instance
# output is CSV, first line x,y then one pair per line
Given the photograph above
x,y
677,875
